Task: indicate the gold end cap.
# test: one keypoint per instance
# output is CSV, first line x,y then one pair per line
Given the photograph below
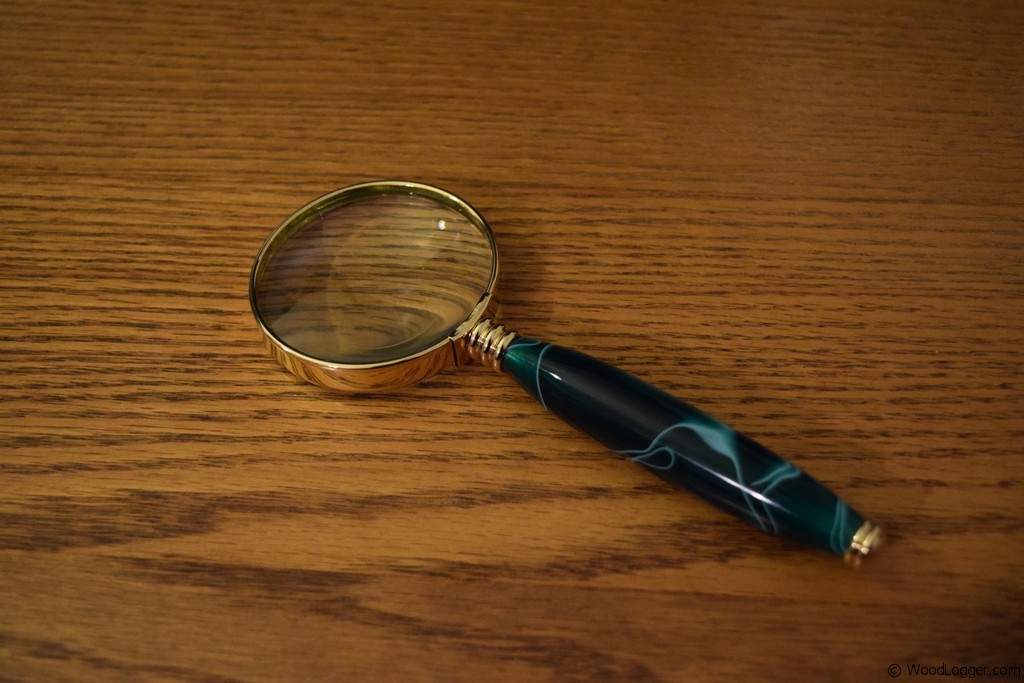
x,y
868,538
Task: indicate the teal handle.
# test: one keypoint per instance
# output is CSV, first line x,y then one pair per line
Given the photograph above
x,y
683,445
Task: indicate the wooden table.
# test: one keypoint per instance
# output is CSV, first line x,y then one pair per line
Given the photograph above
x,y
807,219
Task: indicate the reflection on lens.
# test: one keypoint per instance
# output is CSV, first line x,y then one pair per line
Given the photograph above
x,y
373,280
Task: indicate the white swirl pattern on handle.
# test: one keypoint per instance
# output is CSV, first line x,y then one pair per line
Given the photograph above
x,y
770,481
718,438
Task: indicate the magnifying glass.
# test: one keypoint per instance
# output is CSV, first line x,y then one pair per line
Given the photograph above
x,y
383,284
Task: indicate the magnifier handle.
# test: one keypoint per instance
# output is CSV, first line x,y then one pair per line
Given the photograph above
x,y
688,447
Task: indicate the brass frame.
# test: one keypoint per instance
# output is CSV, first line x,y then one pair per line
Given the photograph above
x,y
386,375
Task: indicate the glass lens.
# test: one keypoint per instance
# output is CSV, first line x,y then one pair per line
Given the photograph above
x,y
372,280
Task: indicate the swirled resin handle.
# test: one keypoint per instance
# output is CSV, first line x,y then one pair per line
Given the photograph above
x,y
687,447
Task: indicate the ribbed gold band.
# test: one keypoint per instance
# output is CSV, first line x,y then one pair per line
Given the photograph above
x,y
487,342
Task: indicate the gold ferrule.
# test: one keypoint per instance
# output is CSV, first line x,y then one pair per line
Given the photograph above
x,y
868,537
488,341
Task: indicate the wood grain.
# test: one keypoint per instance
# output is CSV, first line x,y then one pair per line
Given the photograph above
x,y
805,218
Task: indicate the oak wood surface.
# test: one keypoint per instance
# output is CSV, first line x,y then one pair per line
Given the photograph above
x,y
805,217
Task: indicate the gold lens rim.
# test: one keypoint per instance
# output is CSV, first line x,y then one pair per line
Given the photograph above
x,y
393,373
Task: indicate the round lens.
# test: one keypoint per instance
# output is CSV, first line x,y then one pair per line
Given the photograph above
x,y
374,276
